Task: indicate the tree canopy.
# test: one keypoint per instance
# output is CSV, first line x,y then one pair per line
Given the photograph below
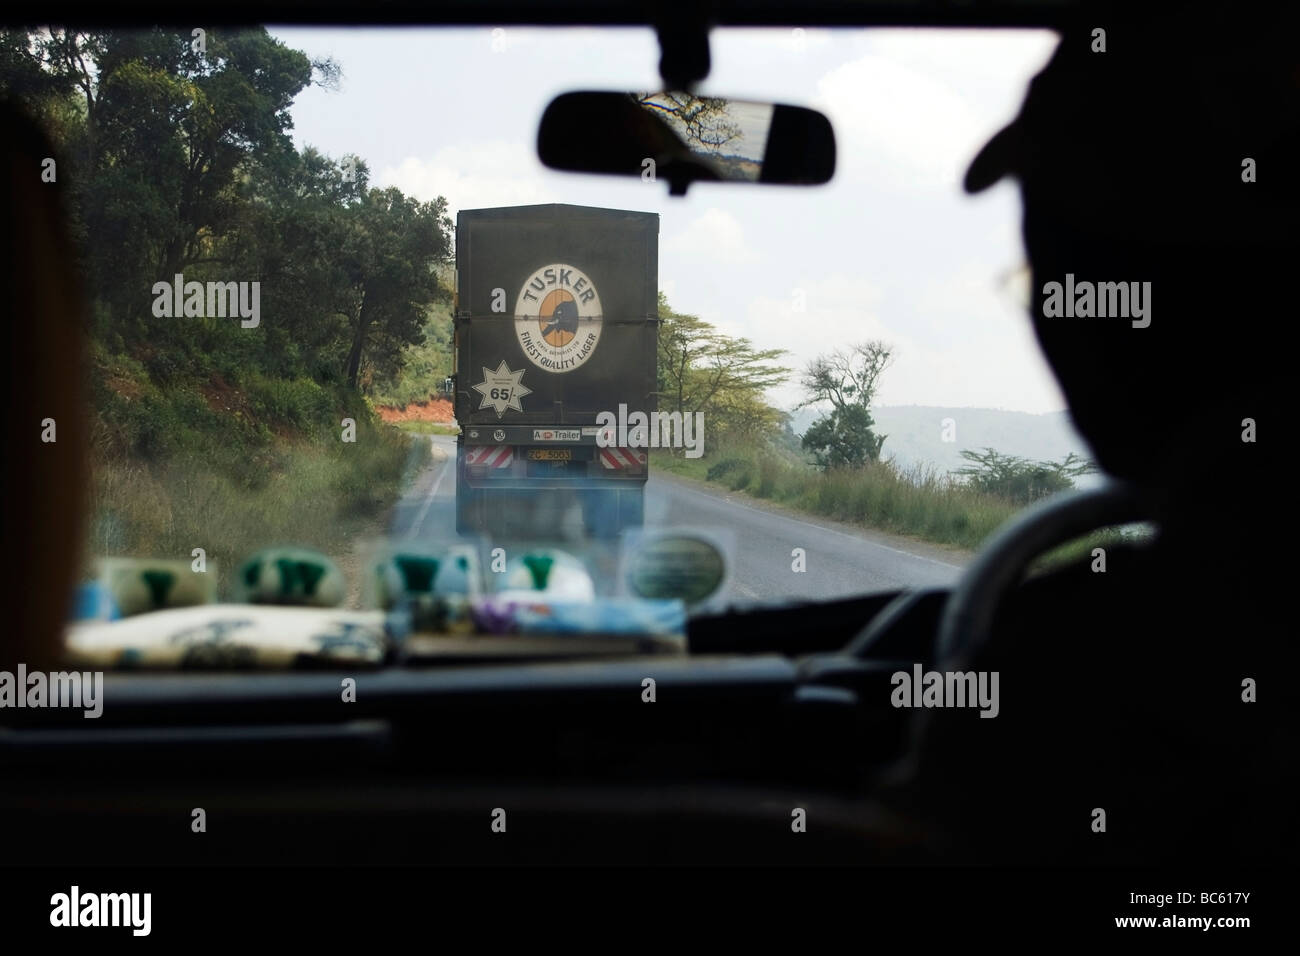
x,y
175,157
847,381
701,369
1018,479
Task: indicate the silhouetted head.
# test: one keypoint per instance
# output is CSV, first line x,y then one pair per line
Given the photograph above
x,y
1133,164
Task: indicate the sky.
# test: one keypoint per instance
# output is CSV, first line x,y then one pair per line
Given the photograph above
x,y
890,249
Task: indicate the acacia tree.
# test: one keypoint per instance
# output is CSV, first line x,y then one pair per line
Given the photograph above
x,y
1019,479
702,370
703,120
847,380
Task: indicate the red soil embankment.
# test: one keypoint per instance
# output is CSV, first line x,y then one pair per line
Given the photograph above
x,y
434,410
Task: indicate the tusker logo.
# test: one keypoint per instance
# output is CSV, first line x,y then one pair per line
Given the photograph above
x,y
558,318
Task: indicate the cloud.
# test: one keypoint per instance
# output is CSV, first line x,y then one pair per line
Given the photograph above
x,y
473,176
990,359
811,319
915,107
716,236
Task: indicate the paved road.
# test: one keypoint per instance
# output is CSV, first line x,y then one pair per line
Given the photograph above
x,y
840,560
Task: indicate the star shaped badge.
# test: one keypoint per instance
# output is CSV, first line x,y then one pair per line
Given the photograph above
x,y
502,389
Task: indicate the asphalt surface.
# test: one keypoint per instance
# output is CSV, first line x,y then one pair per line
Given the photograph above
x,y
838,560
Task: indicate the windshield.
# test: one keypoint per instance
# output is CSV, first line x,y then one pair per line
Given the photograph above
x,y
310,255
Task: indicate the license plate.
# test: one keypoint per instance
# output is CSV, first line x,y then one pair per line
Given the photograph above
x,y
550,454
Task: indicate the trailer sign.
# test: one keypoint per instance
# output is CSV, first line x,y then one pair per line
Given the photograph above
x,y
556,434
558,318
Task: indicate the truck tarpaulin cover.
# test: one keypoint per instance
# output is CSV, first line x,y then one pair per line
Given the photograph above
x,y
556,315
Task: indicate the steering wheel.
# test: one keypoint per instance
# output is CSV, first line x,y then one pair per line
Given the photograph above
x,y
968,614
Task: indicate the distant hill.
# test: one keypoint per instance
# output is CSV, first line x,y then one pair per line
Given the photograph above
x,y
914,433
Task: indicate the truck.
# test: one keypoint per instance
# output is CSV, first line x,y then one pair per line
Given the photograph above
x,y
556,327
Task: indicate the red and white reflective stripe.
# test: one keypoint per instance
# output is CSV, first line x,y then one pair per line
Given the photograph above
x,y
493,456
621,457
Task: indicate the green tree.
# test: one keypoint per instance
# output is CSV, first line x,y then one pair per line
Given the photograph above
x,y
847,380
390,253
702,370
287,230
843,439
178,159
1018,479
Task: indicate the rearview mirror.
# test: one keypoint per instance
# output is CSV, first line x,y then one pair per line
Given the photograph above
x,y
683,138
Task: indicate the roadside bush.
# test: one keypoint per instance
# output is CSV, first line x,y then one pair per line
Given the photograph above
x,y
298,402
366,471
1019,480
315,494
725,467
769,473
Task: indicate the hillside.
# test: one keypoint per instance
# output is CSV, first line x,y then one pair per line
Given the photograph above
x,y
915,433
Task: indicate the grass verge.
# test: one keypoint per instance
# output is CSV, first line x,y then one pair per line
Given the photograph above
x,y
919,503
323,494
